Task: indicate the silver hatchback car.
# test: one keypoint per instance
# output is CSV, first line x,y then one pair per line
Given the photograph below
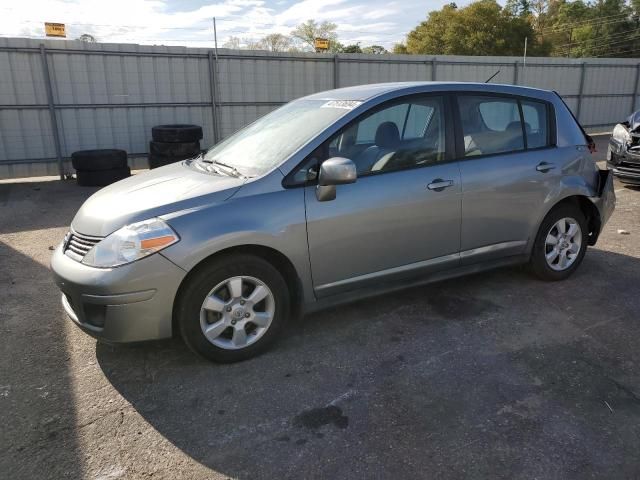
x,y
329,198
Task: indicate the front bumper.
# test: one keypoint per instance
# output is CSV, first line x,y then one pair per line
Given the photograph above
x,y
624,164
130,303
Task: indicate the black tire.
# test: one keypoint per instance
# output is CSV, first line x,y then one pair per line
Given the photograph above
x,y
200,284
176,150
101,178
177,133
538,262
156,160
95,160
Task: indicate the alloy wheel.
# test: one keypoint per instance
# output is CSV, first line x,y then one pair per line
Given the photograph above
x,y
563,244
237,312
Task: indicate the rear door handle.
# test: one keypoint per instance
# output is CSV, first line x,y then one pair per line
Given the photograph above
x,y
439,184
545,167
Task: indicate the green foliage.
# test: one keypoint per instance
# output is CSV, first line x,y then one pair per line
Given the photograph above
x,y
307,32
352,48
606,28
375,49
481,28
552,27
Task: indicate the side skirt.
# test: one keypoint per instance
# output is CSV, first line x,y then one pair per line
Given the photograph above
x,y
355,295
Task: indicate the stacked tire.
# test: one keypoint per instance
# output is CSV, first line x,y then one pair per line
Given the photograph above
x,y
99,168
172,143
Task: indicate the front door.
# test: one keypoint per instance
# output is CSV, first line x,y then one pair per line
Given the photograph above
x,y
402,216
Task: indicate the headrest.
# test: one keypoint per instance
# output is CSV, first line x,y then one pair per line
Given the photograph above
x,y
387,135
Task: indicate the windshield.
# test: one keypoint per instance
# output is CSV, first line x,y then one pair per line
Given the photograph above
x,y
272,139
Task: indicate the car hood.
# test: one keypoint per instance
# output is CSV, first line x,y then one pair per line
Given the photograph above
x,y
157,192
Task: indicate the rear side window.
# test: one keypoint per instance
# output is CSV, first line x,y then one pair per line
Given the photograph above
x,y
490,125
535,123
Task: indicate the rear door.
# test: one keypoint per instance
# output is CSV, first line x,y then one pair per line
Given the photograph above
x,y
508,167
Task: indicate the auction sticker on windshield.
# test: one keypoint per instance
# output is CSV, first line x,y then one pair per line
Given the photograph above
x,y
346,104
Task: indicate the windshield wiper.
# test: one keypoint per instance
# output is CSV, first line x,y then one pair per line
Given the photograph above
x,y
231,168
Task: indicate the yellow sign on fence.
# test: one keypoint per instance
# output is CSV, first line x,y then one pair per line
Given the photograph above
x,y
321,44
54,29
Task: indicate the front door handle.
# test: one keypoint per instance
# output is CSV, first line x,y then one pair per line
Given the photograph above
x,y
439,184
545,167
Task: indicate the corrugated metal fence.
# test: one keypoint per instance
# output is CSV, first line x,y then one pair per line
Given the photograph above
x,y
57,97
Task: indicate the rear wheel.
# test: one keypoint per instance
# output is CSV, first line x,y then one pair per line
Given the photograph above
x,y
233,308
560,244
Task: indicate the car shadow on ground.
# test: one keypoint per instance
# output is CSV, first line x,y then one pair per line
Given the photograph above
x,y
37,404
494,375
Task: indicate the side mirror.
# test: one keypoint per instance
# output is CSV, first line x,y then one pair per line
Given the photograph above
x,y
334,171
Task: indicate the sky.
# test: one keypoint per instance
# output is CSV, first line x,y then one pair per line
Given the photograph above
x,y
189,22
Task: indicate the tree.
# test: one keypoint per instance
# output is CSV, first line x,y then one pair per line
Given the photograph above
x,y
400,48
480,28
307,32
603,29
85,37
276,42
375,49
233,43
355,48
518,8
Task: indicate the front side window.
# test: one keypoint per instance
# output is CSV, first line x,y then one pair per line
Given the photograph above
x,y
405,134
490,125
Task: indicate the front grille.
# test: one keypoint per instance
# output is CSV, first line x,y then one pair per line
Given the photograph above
x,y
78,245
629,165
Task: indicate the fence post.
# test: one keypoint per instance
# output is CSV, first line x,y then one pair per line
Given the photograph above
x,y
433,69
213,76
515,72
52,109
336,71
635,89
582,73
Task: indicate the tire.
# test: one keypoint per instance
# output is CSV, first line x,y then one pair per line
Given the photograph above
x,y
538,262
101,178
181,150
177,133
96,160
156,160
199,287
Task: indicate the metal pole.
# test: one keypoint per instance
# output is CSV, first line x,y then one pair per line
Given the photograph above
x,y
52,110
214,84
635,89
215,37
433,69
582,73
524,60
336,71
212,87
515,72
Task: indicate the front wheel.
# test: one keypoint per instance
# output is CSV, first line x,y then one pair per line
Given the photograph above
x,y
560,244
233,308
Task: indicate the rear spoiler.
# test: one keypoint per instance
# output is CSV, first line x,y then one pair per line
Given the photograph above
x,y
590,143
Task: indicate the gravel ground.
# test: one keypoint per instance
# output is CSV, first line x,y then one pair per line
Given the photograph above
x,y
494,375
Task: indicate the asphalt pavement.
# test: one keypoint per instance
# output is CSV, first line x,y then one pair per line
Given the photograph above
x,y
495,375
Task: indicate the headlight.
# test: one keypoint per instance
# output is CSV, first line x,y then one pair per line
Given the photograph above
x,y
621,134
131,243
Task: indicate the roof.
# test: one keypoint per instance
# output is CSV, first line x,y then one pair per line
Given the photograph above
x,y
366,92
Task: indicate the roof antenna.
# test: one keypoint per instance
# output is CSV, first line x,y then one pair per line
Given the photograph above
x,y
491,77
